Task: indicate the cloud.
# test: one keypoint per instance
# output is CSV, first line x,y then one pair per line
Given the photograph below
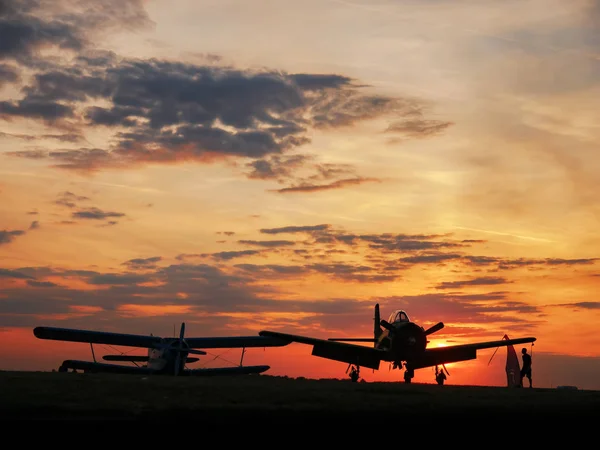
x,y
277,167
7,273
163,112
480,281
581,305
418,128
296,229
305,187
68,137
6,237
279,243
142,263
8,74
27,26
22,33
95,214
68,199
234,254
34,225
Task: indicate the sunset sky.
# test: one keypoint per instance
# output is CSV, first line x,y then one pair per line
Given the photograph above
x,y
285,165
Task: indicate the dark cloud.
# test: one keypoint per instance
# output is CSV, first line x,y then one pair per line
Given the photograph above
x,y
581,305
184,256
8,74
169,112
22,33
7,273
41,284
95,214
235,254
305,187
420,128
280,243
69,199
296,229
277,167
142,263
34,225
7,237
480,281
67,137
27,26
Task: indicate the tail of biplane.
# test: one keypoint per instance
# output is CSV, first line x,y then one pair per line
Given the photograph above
x,y
376,325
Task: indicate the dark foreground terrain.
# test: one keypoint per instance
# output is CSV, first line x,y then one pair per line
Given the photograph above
x,y
279,400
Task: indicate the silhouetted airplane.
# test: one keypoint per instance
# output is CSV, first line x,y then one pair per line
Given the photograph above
x,y
399,341
166,355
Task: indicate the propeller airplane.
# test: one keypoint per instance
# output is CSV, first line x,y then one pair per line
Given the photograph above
x,y
166,355
397,340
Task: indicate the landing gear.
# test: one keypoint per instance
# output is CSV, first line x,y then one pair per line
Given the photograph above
x,y
409,374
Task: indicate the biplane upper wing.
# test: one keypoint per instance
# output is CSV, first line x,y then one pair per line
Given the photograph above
x,y
88,366
339,351
96,337
235,342
462,352
240,370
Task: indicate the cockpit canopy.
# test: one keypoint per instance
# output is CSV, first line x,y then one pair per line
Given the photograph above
x,y
398,316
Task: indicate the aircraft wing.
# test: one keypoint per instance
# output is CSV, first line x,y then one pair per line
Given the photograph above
x,y
463,352
241,370
135,358
235,341
88,366
360,355
95,337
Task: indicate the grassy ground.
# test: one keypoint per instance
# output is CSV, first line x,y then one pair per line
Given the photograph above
x,y
60,396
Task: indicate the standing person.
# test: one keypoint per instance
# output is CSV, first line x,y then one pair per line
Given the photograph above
x,y
526,369
440,376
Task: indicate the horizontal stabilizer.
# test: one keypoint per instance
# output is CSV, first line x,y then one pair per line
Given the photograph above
x,y
128,358
235,342
353,339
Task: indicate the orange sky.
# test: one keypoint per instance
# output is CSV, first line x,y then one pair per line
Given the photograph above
x,y
287,165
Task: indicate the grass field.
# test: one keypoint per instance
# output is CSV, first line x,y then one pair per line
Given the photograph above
x,y
279,400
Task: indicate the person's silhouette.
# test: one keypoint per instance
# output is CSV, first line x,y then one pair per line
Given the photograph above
x,y
354,374
440,376
526,369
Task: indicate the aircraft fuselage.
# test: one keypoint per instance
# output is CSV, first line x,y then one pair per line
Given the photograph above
x,y
405,341
163,360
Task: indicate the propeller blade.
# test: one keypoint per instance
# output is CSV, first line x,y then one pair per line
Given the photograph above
x,y
182,330
437,327
388,326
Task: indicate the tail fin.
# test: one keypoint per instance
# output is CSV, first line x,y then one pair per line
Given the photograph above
x,y
376,324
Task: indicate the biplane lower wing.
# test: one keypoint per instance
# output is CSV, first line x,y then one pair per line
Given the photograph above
x,y
94,367
359,355
462,352
241,370
135,358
